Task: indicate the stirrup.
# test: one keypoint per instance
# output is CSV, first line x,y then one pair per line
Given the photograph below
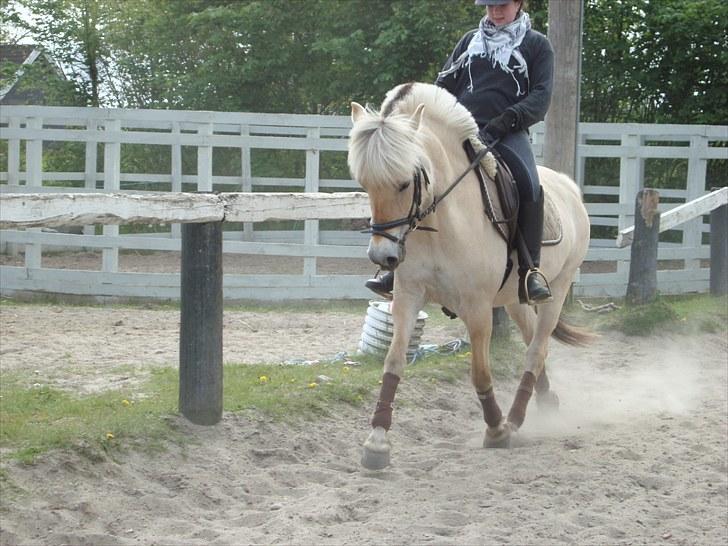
x,y
524,296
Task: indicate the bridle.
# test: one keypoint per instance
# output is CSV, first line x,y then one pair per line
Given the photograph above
x,y
417,214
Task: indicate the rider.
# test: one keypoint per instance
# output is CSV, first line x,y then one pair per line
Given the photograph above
x,y
502,72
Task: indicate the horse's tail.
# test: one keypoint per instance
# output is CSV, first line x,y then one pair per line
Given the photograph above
x,y
573,335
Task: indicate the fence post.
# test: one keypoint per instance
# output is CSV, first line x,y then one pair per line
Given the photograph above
x,y
631,180
200,339
204,159
176,174
642,286
112,183
311,227
33,179
719,251
246,179
90,166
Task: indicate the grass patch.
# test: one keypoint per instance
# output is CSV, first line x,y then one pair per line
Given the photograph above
x,y
38,419
692,314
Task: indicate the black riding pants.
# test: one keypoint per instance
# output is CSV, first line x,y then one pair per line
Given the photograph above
x,y
515,148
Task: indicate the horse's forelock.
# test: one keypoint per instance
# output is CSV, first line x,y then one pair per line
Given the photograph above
x,y
383,150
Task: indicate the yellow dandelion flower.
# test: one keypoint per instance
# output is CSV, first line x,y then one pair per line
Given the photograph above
x,y
345,369
125,403
109,436
263,379
312,385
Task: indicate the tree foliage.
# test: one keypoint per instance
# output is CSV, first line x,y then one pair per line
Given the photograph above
x,y
649,61
655,62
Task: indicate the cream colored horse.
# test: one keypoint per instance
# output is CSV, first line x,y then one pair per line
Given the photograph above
x,y
455,257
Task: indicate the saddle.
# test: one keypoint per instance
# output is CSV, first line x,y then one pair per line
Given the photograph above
x,y
499,192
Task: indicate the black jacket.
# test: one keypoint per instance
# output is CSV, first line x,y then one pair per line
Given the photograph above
x,y
494,90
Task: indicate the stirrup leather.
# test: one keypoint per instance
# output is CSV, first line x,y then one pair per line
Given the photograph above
x,y
524,296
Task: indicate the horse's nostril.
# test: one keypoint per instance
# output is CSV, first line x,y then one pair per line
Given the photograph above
x,y
392,262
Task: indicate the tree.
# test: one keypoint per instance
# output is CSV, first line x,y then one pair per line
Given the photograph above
x,y
655,62
72,32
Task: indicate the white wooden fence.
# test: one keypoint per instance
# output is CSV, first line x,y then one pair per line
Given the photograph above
x,y
101,136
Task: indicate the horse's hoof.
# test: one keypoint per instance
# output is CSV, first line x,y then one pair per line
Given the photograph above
x,y
499,437
375,454
374,460
547,401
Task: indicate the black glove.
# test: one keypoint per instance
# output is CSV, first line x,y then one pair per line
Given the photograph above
x,y
501,125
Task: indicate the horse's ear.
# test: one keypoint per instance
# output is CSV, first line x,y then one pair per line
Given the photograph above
x,y
417,116
357,111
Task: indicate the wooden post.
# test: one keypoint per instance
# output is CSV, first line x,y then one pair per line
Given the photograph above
x,y
200,339
642,286
719,251
501,323
565,28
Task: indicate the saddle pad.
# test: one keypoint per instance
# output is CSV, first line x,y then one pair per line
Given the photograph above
x,y
552,232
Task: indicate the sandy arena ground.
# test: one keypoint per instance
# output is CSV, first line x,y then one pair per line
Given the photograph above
x,y
637,454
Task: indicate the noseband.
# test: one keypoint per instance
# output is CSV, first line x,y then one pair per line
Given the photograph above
x,y
416,214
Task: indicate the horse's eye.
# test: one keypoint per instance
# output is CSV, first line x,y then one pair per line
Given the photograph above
x,y
403,186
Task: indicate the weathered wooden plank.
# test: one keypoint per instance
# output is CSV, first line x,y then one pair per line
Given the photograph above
x,y
682,213
257,207
34,209
26,210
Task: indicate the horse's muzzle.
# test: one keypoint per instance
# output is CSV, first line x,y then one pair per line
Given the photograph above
x,y
385,253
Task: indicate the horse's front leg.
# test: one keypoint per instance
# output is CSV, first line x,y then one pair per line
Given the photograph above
x,y
480,327
377,447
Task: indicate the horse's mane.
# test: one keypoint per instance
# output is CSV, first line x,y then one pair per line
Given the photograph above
x,y
384,146
442,110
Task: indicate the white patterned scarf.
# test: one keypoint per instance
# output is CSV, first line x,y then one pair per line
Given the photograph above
x,y
499,44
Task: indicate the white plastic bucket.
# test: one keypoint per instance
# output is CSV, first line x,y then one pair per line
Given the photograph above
x,y
378,329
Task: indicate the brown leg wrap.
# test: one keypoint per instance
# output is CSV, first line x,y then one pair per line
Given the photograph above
x,y
542,383
491,412
383,414
518,410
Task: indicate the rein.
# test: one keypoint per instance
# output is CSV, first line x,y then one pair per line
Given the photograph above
x,y
415,215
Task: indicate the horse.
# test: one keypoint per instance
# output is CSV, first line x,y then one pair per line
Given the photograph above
x,y
427,206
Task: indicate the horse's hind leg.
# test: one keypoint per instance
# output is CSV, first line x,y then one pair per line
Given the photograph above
x,y
479,328
545,322
525,318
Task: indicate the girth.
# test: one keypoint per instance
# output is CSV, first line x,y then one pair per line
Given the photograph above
x,y
507,225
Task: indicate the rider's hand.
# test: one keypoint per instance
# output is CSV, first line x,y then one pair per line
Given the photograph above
x,y
501,125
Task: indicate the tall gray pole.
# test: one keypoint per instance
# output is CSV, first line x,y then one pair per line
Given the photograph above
x,y
200,337
565,28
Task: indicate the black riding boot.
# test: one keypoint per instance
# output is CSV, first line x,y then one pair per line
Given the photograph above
x,y
382,285
533,287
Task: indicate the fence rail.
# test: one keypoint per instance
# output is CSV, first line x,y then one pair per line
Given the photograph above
x,y
190,144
